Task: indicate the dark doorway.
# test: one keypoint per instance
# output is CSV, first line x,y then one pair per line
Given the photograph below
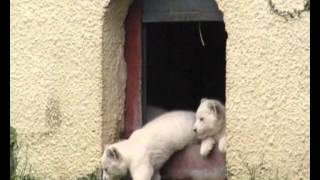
x,y
184,61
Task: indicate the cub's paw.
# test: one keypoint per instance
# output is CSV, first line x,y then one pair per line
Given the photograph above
x,y
206,147
205,151
222,145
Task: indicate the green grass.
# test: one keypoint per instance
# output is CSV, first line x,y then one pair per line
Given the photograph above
x,y
14,174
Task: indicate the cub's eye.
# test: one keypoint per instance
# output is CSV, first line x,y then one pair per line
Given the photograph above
x,y
201,119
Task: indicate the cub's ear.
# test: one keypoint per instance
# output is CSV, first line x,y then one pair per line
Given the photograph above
x,y
203,99
216,107
212,106
113,153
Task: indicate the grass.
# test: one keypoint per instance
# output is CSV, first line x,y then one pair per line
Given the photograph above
x,y
257,171
96,175
14,174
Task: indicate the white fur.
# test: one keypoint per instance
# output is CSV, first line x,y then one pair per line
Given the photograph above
x,y
150,147
210,125
206,146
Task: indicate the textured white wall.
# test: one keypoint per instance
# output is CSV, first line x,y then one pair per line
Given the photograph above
x,y
267,88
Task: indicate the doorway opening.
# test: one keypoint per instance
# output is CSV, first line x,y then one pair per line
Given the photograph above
x,y
176,54
183,62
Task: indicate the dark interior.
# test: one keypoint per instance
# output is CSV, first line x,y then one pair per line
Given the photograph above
x,y
179,70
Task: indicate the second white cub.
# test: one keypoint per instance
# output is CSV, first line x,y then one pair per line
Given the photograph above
x,y
210,125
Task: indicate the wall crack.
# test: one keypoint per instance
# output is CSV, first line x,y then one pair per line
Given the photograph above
x,y
296,13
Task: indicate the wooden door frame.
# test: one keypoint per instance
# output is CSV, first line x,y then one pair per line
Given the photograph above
x,y
133,57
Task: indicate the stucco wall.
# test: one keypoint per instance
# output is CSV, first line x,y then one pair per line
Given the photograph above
x,y
68,79
267,89
61,61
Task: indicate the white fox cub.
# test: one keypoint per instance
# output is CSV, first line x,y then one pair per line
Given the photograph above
x,y
148,148
210,126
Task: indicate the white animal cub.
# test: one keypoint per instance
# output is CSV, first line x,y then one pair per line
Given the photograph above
x,y
150,147
210,125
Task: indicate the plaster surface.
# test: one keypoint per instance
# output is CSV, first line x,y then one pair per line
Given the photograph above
x,y
267,89
65,56
67,82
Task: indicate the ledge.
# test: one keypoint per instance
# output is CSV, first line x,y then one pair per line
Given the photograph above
x,y
188,164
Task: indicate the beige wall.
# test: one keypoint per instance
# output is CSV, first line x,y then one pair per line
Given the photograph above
x,y
267,89
57,83
68,80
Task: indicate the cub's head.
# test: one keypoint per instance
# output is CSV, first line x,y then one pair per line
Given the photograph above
x,y
210,118
113,165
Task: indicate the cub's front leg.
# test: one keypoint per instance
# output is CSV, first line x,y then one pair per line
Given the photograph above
x,y
206,146
144,171
156,176
222,144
